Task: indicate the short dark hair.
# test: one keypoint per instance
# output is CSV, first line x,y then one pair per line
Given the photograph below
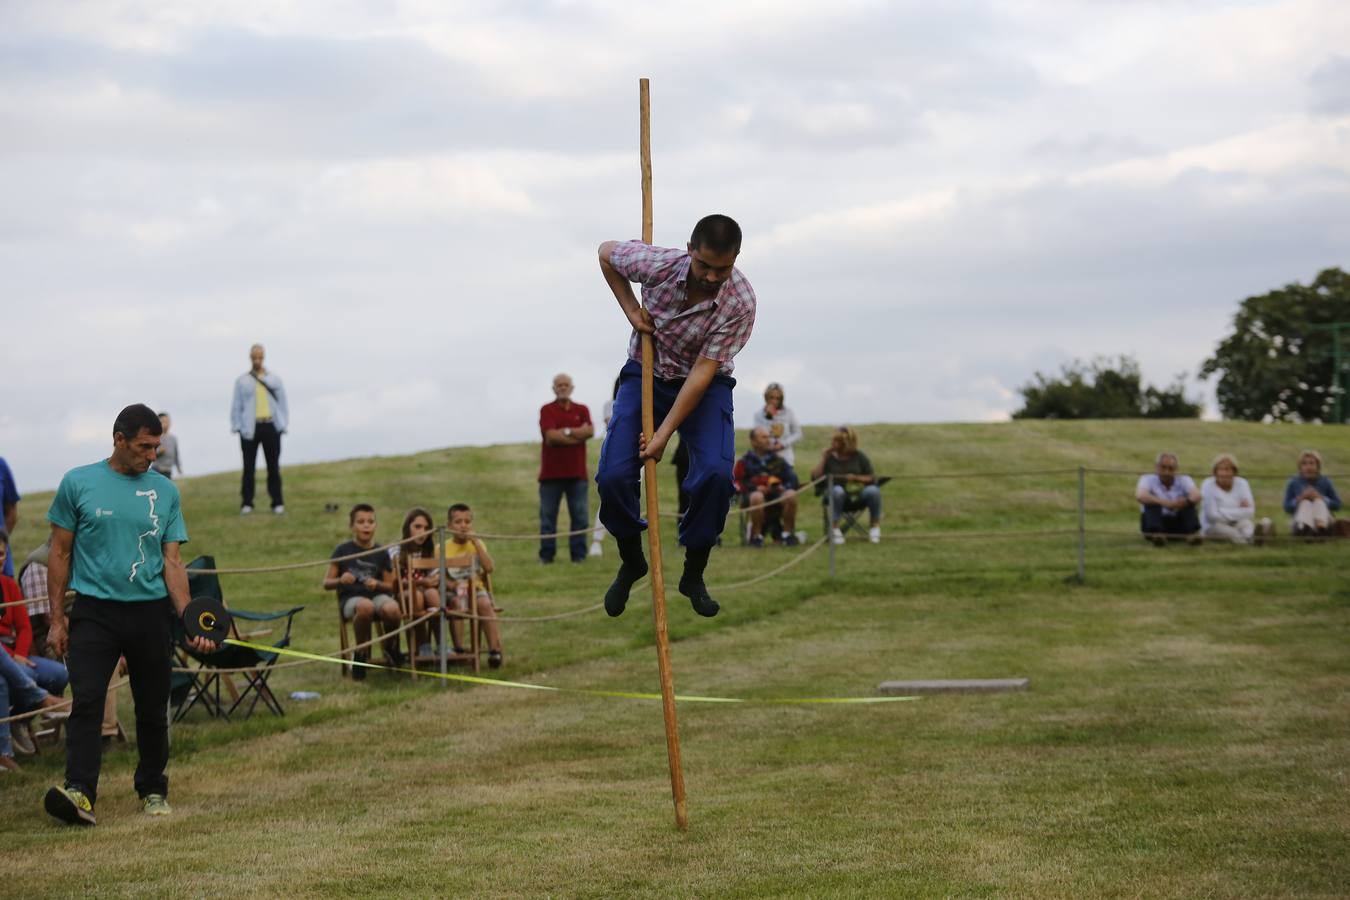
x,y
456,507
360,507
137,418
717,233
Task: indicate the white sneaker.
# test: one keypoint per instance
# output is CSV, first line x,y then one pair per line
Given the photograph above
x,y
596,549
874,534
278,509
245,510
836,535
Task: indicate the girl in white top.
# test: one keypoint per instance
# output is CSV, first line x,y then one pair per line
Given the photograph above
x,y
780,422
1227,510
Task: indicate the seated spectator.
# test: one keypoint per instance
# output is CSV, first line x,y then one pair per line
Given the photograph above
x,y
853,479
1310,497
365,586
781,422
765,476
16,635
1228,511
463,580
18,688
1167,503
426,582
33,582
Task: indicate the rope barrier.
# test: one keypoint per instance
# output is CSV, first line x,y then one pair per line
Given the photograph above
x,y
64,704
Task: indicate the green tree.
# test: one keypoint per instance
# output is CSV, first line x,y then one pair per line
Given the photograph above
x,y
1103,389
1277,365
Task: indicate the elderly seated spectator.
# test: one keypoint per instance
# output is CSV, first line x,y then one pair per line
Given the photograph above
x,y
1228,511
781,422
854,481
1167,503
764,476
1310,497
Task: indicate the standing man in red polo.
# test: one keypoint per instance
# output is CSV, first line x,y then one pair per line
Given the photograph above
x,y
566,427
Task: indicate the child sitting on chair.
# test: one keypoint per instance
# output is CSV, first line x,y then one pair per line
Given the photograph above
x,y
464,580
418,544
365,586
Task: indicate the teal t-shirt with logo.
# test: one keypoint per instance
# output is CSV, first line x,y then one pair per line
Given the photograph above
x,y
120,522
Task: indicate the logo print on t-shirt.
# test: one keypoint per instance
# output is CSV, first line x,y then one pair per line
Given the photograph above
x,y
152,496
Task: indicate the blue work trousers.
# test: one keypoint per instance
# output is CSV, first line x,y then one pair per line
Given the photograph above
x,y
551,492
707,432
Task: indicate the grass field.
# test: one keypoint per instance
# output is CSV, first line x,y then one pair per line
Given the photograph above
x,y
1187,730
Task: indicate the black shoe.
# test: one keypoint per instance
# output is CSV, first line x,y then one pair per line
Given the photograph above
x,y
616,598
359,672
698,596
791,541
494,659
756,542
395,657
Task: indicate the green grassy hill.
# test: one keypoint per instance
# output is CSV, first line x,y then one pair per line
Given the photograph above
x,y
1185,732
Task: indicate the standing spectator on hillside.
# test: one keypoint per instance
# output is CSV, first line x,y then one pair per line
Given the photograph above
x,y
1227,510
1310,497
258,415
565,427
781,422
116,531
1167,503
9,498
168,458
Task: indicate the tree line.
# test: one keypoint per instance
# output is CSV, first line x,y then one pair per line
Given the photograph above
x,y
1287,359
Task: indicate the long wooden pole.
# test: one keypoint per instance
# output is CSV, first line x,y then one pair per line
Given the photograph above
x,y
653,507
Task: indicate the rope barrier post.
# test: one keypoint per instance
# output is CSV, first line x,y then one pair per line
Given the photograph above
x,y
829,535
1082,525
445,662
653,507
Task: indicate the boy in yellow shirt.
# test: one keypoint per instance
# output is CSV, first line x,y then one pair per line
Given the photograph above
x,y
463,580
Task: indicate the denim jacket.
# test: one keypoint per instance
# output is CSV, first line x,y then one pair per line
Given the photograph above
x,y
242,409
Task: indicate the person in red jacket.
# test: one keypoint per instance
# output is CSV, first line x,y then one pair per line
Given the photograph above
x,y
16,635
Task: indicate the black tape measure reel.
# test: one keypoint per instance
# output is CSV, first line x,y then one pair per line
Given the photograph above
x,y
208,618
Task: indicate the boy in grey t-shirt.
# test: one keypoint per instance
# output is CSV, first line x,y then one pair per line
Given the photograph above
x,y
167,460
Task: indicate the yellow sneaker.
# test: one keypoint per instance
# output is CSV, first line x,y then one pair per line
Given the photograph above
x,y
156,805
70,805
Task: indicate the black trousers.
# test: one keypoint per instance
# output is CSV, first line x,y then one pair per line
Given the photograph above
x,y
266,434
1185,522
100,632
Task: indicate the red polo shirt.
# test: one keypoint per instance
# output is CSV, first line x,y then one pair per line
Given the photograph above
x,y
562,462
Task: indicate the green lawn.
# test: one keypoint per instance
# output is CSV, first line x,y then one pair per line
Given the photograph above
x,y
1186,733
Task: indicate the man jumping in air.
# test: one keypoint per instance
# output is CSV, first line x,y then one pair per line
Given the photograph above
x,y
699,310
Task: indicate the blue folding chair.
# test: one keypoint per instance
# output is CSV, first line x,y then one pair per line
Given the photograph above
x,y
203,685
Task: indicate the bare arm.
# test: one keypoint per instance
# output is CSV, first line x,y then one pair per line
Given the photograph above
x,y
175,577
691,392
623,292
58,579
484,558
331,579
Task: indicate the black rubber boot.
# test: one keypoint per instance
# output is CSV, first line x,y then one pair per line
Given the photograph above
x,y
691,582
633,568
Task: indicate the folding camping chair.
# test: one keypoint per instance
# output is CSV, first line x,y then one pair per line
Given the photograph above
x,y
203,684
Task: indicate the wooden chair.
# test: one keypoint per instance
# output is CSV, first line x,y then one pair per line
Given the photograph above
x,y
407,569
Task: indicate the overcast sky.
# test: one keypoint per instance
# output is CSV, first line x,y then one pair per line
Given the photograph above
x,y
402,201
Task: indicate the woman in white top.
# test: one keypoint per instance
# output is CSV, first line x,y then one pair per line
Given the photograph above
x,y
1227,510
780,422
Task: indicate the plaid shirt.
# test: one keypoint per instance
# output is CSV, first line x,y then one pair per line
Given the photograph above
x,y
716,328
34,584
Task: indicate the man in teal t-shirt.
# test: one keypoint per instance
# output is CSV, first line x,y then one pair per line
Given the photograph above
x,y
116,531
